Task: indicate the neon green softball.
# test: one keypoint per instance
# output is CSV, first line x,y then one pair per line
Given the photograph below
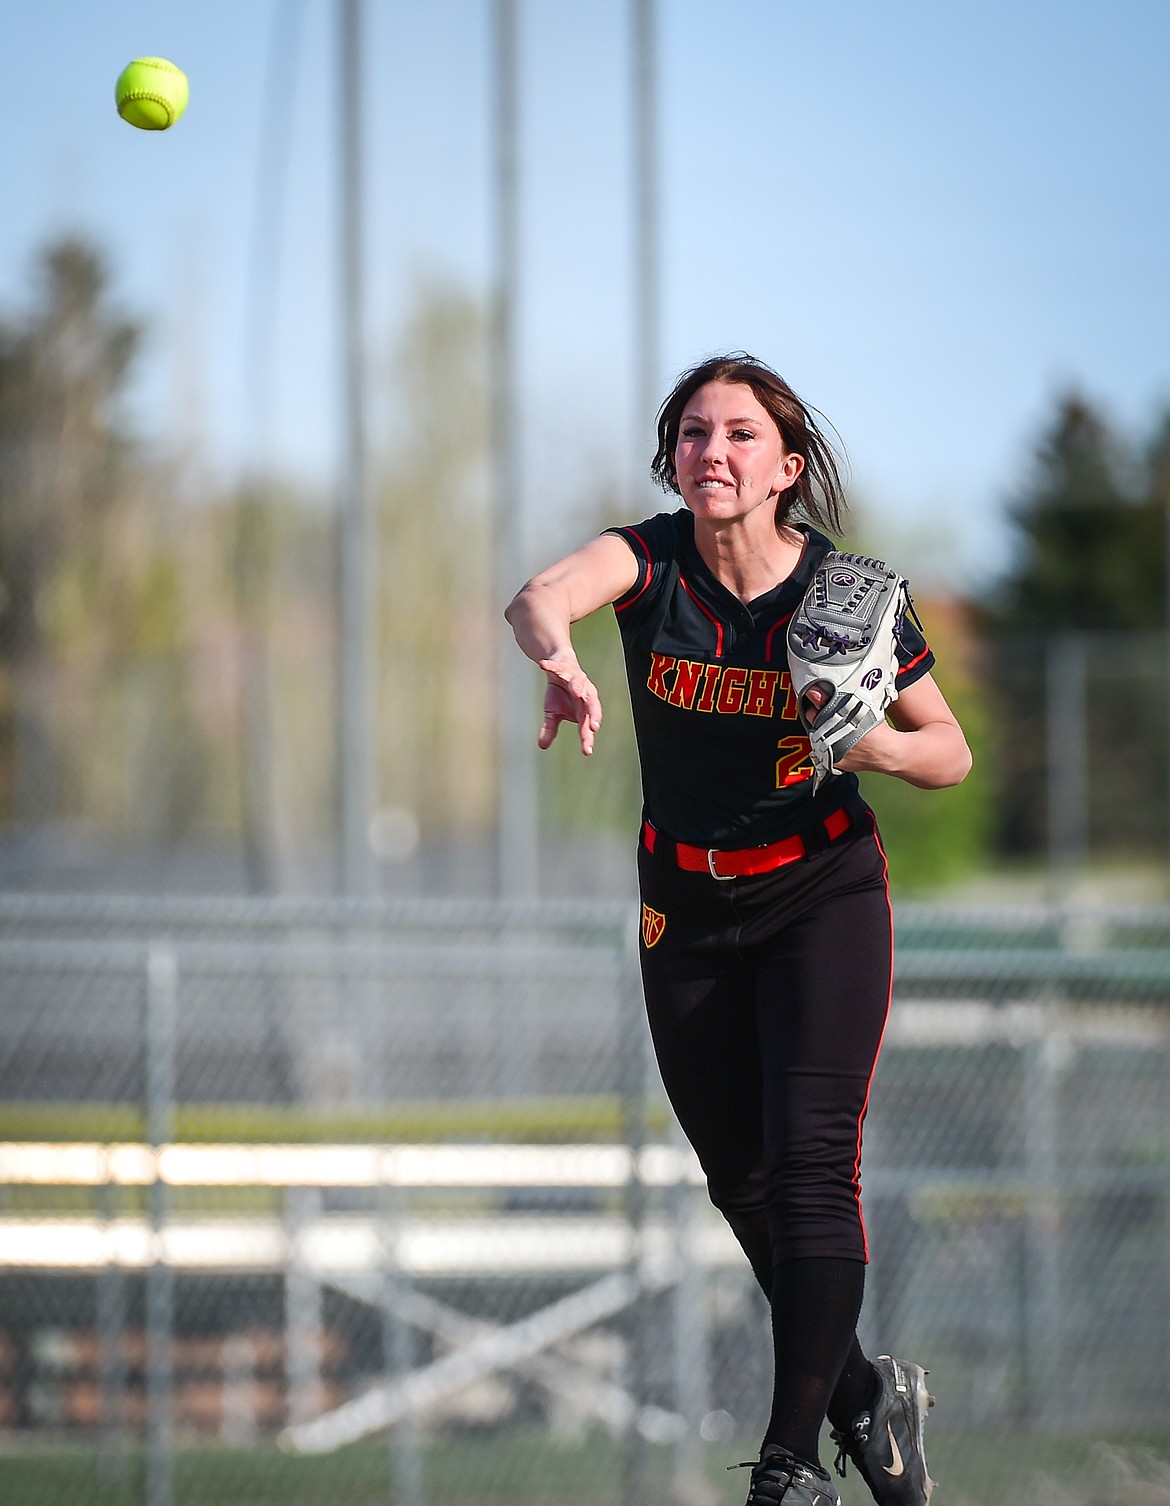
x,y
151,93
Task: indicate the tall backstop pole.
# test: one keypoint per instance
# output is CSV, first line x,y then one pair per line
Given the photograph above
x,y
356,541
516,855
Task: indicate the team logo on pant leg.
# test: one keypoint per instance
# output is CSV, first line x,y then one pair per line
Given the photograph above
x,y
653,925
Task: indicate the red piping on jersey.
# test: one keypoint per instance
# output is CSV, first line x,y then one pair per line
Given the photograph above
x,y
621,606
709,615
916,660
881,1038
779,623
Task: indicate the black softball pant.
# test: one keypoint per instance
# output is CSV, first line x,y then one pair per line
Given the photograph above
x,y
767,999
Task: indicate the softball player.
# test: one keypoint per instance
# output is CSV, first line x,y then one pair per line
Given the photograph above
x,y
766,926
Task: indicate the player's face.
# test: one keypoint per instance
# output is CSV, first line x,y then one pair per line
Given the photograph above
x,y
730,459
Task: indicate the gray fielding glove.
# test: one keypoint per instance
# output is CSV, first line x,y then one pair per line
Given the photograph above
x,y
843,638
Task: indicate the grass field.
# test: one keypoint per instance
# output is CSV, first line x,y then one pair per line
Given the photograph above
x,y
550,1121
1002,1470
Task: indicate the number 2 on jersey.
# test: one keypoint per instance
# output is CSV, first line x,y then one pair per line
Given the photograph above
x,y
794,763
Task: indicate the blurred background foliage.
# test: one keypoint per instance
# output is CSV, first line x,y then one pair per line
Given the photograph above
x,y
167,641
1092,527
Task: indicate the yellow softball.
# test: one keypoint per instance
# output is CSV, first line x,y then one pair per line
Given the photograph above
x,y
151,93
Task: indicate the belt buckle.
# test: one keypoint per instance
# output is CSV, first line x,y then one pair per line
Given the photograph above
x,y
723,878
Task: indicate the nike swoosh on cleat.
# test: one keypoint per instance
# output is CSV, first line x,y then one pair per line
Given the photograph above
x,y
895,1466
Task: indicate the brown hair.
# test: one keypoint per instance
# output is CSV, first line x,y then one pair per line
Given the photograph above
x,y
818,491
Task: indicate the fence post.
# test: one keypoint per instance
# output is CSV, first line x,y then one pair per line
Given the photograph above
x,y
1067,758
1045,1060
692,1358
161,994
111,1330
238,1425
398,1350
302,1309
632,1077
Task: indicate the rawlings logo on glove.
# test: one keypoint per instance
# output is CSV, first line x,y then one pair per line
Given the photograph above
x,y
842,640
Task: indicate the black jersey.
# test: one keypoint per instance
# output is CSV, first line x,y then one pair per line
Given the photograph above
x,y
723,753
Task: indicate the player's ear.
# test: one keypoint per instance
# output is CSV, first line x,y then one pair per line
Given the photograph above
x,y
790,467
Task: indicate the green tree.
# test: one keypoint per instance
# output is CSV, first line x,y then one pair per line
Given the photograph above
x,y
95,620
65,460
1157,467
1089,534
64,446
1090,528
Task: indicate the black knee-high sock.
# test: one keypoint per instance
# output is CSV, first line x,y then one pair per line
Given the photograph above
x,y
855,1387
815,1305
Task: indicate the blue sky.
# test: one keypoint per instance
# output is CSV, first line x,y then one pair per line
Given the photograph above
x,y
931,217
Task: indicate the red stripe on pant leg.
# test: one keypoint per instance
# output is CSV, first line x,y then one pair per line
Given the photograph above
x,y
881,1038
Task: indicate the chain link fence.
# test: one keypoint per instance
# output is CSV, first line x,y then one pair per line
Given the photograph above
x,y
367,1202
1064,788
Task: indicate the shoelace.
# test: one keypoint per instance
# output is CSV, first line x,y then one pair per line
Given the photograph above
x,y
859,1432
784,1463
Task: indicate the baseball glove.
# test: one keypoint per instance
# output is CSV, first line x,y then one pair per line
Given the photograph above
x,y
843,639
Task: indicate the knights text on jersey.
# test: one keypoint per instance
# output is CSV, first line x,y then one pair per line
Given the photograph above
x,y
723,754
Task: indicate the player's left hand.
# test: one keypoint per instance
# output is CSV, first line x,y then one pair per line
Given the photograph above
x,y
921,742
866,755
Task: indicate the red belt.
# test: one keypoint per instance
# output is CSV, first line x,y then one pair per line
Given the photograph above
x,y
749,860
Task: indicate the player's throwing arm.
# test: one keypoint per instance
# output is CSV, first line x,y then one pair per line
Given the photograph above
x,y
541,616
